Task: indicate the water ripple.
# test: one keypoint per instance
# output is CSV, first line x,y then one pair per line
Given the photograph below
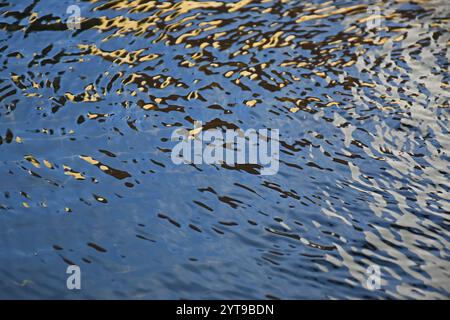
x,y
85,125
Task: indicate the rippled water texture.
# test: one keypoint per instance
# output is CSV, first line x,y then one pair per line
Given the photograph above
x,y
86,174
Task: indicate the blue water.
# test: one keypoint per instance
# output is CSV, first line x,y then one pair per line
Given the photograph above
x,y
361,103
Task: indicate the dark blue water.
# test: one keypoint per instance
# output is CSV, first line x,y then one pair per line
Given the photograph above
x,y
361,102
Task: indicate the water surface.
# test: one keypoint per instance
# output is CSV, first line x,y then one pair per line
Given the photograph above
x,y
86,175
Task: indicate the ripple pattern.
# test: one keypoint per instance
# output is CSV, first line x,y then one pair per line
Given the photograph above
x,y
86,175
